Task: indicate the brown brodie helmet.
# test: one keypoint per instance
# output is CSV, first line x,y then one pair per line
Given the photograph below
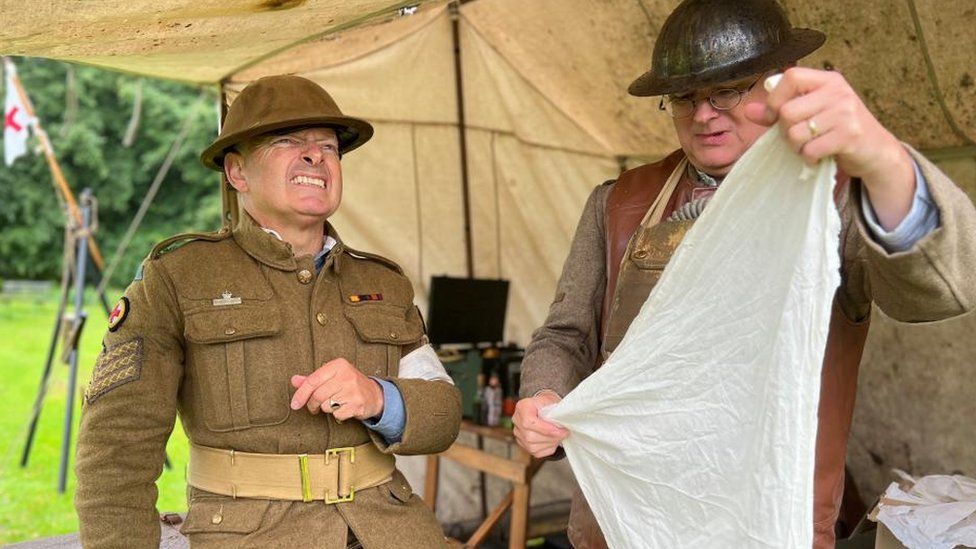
x,y
279,103
707,42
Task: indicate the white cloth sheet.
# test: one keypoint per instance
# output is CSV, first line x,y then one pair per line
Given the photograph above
x,y
699,430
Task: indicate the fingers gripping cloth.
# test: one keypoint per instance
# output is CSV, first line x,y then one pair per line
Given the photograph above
x,y
699,430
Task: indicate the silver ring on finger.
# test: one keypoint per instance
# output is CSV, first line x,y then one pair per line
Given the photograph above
x,y
334,407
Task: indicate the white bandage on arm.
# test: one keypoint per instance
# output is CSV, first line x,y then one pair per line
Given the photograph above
x,y
422,363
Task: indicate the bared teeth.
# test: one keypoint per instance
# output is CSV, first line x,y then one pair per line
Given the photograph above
x,y
305,180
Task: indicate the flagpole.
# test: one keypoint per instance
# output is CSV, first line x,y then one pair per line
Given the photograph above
x,y
60,183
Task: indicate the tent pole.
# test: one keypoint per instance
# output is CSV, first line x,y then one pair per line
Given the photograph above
x,y
455,12
228,197
52,162
462,137
60,183
82,234
66,274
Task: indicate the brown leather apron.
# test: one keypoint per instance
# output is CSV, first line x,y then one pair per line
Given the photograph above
x,y
639,246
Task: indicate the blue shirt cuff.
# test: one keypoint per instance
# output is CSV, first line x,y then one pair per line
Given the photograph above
x,y
394,417
922,218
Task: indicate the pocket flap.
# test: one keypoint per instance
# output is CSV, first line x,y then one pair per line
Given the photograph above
x,y
232,323
383,324
227,515
656,244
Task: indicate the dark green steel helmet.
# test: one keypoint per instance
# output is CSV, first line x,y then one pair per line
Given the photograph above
x,y
707,42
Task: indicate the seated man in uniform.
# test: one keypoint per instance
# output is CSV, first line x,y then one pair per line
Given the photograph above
x,y
298,365
907,242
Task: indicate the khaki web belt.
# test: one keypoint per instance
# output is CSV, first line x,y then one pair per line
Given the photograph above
x,y
332,477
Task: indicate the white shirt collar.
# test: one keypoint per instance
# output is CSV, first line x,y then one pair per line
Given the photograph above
x,y
327,241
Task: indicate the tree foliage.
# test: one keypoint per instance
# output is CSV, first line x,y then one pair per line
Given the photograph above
x,y
88,143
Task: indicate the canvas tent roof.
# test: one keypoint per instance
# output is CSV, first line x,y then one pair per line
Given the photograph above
x,y
200,41
578,52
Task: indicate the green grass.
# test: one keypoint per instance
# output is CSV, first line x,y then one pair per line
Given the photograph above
x,y
30,506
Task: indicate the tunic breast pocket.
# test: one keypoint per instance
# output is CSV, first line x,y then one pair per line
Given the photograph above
x,y
381,330
231,358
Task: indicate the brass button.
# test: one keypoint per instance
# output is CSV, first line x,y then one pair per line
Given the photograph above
x,y
321,318
304,276
640,254
217,518
230,331
394,335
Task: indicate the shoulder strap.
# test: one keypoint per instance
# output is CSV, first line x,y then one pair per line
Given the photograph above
x,y
175,242
374,257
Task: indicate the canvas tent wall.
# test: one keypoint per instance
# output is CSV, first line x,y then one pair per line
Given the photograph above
x,y
531,166
548,118
545,126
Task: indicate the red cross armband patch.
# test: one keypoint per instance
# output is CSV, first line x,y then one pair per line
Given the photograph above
x,y
118,314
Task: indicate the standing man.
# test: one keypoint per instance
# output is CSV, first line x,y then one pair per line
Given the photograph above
x,y
298,365
907,242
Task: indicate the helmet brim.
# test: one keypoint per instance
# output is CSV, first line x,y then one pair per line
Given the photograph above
x,y
351,132
801,43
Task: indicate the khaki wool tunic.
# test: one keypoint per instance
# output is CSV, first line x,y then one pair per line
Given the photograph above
x,y
226,369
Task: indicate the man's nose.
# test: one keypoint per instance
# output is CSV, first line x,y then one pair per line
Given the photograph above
x,y
704,111
312,154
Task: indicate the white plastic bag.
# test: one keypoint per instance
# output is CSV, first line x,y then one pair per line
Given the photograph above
x,y
933,512
699,430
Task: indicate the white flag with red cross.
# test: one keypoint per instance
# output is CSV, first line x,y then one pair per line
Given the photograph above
x,y
15,119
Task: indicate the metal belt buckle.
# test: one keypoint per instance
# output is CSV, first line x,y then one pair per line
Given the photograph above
x,y
341,474
306,480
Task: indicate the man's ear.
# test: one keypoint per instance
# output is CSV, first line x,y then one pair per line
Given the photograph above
x,y
234,170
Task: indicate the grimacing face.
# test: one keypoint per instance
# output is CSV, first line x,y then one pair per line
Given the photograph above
x,y
715,139
288,180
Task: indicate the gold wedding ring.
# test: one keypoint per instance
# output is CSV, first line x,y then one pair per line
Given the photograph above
x,y
812,126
